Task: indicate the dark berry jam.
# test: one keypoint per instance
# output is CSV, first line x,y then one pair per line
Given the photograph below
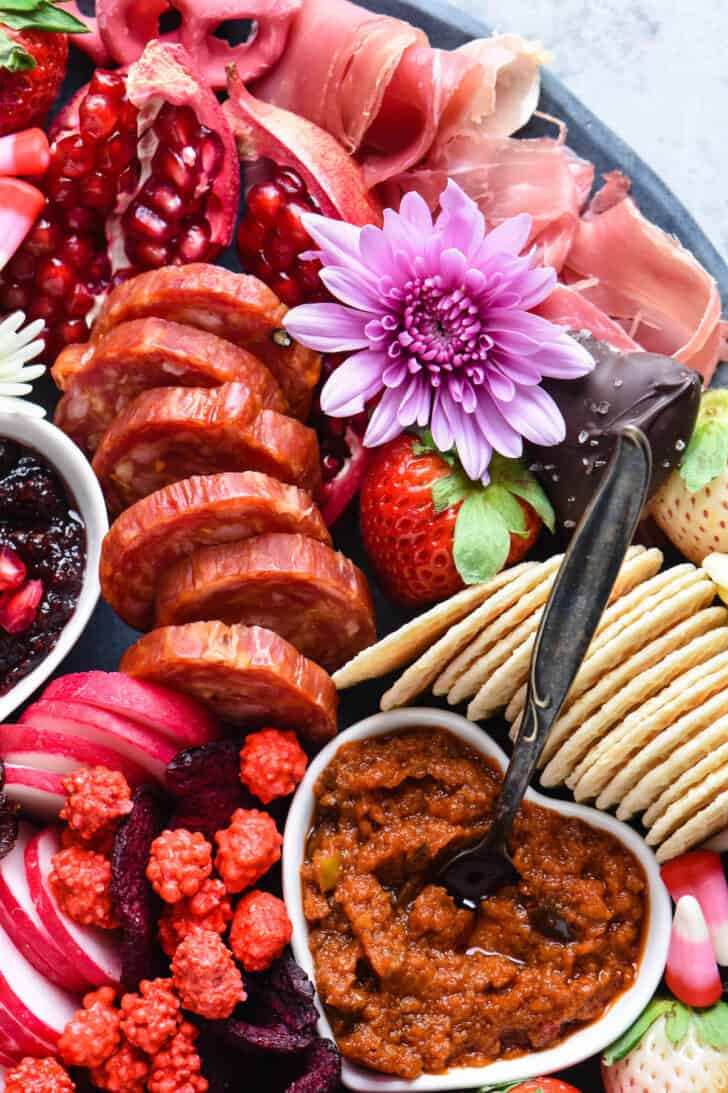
x,y
38,521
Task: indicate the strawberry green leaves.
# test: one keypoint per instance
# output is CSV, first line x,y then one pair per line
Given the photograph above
x,y
710,1025
13,56
488,515
39,15
706,455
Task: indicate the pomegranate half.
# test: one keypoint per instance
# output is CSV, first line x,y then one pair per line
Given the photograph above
x,y
143,174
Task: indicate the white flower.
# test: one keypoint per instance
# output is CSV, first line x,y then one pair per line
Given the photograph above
x,y
18,346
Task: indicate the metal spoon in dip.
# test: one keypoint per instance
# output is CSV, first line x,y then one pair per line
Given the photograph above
x,y
579,595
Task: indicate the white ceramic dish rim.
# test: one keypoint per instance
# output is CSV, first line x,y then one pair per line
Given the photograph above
x,y
79,478
580,1045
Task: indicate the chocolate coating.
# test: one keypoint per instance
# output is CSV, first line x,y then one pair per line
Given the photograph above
x,y
656,393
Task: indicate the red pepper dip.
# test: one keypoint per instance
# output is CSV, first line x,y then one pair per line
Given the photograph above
x,y
410,982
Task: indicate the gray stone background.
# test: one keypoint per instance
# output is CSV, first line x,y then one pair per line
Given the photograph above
x,y
656,71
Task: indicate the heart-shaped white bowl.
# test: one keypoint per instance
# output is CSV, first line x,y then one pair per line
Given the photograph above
x,y
83,487
575,1048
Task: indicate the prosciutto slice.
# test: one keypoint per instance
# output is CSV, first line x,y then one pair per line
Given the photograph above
x,y
647,281
377,85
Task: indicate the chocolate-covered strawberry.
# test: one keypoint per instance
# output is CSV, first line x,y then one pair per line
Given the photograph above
x,y
658,394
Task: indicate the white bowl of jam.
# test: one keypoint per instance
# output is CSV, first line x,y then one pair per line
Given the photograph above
x,y
53,516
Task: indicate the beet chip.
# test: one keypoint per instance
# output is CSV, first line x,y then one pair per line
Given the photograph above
x,y
287,992
206,783
276,1039
136,904
322,1070
8,818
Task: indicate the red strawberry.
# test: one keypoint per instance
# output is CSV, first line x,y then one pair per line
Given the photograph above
x,y
33,59
429,530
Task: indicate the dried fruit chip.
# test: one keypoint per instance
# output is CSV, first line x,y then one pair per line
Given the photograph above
x,y
278,1039
8,825
206,781
287,992
136,904
322,1073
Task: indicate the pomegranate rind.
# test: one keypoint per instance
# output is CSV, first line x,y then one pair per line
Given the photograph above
x,y
165,70
125,26
91,43
337,494
204,511
234,306
246,674
332,177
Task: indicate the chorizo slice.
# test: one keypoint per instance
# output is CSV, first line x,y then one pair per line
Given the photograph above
x,y
177,432
308,593
202,511
69,363
234,306
147,353
245,674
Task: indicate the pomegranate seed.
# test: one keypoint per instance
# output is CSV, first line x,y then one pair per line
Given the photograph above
x,y
194,241
15,298
263,270
280,253
78,250
163,198
22,266
100,269
290,182
287,290
330,466
178,126
128,114
98,116
128,179
211,154
18,609
116,152
171,166
46,308
45,238
12,569
290,227
72,331
74,157
62,192
264,201
98,190
251,237
307,275
145,222
107,83
80,300
55,277
149,254
83,221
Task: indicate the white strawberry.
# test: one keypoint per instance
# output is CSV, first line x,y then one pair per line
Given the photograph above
x,y
671,1047
692,505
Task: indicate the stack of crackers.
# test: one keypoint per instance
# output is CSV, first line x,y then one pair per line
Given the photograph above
x,y
645,726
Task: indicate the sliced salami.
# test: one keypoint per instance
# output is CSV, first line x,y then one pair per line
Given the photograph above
x,y
175,521
172,433
308,593
232,305
147,353
246,674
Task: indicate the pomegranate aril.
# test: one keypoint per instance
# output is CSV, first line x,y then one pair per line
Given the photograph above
x,y
15,298
81,220
142,221
128,179
100,269
128,114
148,254
72,331
307,275
55,277
193,244
163,197
290,182
108,83
45,307
12,569
62,192
170,165
251,237
78,250
73,157
263,270
98,190
18,609
330,465
211,154
79,301
22,266
287,290
177,125
280,253
116,152
264,201
98,116
45,237
290,226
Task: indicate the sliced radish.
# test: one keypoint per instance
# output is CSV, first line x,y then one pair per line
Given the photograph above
x,y
21,922
63,752
95,953
186,722
41,1009
128,738
38,792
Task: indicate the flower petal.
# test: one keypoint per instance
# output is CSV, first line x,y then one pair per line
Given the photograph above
x,y
338,241
510,237
384,423
494,427
328,328
376,250
352,384
535,415
460,223
351,289
415,404
440,424
413,209
564,358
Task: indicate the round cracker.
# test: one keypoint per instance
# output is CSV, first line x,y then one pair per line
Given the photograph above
x,y
698,828
427,667
469,683
691,792
648,736
683,743
633,681
414,637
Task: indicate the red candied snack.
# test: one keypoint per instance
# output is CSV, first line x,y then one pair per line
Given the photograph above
x,y
260,931
96,800
92,1034
247,849
81,882
176,1069
151,1016
272,763
208,909
179,862
38,1076
206,977
700,873
123,1072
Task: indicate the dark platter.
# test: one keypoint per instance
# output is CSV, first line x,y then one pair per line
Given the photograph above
x,y
106,637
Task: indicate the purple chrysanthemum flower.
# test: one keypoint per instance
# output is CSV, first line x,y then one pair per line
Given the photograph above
x,y
438,320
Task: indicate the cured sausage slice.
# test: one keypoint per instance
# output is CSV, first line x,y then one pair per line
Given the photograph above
x,y
232,305
172,433
69,363
246,674
137,356
204,511
308,593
